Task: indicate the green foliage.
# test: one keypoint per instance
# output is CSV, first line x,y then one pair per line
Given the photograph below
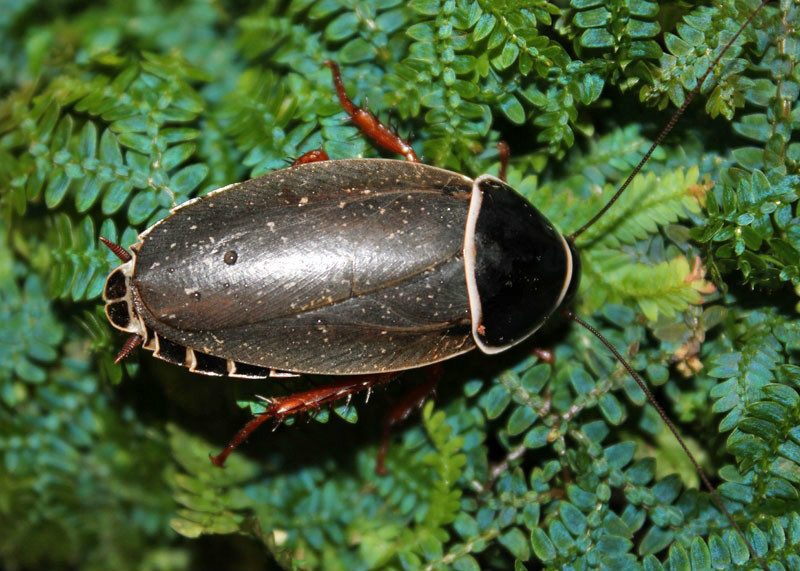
x,y
112,113
757,231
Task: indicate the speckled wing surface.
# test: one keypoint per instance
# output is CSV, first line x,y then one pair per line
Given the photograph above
x,y
335,267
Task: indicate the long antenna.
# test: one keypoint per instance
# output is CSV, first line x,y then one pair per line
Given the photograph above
x,y
670,124
662,413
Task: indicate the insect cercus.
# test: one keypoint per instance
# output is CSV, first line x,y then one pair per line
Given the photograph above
x,y
361,268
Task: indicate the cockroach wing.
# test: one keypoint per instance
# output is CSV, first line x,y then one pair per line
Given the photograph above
x,y
334,267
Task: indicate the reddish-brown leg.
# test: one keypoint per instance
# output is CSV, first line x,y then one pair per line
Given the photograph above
x,y
505,151
282,407
368,123
315,156
414,398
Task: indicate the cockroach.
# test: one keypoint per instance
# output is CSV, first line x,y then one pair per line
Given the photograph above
x,y
361,268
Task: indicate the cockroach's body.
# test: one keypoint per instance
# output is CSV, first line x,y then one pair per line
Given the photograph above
x,y
342,267
361,268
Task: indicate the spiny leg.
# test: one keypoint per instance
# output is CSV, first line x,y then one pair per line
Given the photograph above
x,y
368,123
414,398
282,407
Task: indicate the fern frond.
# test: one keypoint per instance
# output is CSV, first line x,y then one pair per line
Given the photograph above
x,y
211,500
111,113
650,202
663,289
